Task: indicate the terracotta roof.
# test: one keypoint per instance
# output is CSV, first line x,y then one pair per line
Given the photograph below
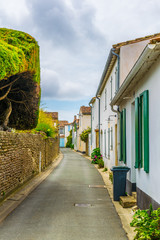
x,y
53,114
62,123
154,36
85,110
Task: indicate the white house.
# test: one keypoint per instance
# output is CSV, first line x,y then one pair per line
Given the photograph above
x,y
67,128
84,123
75,126
62,124
121,104
94,138
137,99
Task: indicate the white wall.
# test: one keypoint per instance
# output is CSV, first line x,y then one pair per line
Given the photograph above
x,y
147,182
108,120
66,132
94,122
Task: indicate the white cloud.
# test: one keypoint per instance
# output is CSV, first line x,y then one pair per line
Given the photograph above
x,y
75,37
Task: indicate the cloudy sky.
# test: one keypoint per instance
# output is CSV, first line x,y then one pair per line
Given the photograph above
x,y
75,37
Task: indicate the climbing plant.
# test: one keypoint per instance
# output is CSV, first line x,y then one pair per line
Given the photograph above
x,y
45,125
84,134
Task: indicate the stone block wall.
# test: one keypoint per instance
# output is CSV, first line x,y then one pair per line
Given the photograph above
x,y
22,155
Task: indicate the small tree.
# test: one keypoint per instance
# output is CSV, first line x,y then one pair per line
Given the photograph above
x,y
69,140
84,134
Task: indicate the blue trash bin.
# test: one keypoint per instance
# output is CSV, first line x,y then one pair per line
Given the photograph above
x,y
119,181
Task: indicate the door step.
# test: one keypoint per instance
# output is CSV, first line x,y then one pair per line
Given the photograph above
x,y
127,201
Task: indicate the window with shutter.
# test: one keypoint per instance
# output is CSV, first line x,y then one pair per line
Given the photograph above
x,y
124,135
111,147
105,99
121,137
142,131
108,142
105,143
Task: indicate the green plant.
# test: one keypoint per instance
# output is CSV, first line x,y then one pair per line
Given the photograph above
x,y
3,193
45,125
96,157
100,163
69,140
147,224
84,134
105,170
72,146
111,177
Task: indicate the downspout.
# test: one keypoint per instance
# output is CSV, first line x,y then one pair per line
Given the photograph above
x,y
99,119
91,124
116,111
118,67
118,78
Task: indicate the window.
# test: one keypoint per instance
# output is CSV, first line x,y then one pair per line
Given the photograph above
x,y
123,136
111,87
105,99
61,131
142,131
105,142
108,142
111,131
69,128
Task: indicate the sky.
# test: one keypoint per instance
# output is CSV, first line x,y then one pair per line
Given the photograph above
x,y
75,37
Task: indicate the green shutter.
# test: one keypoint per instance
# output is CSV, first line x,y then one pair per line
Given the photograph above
x,y
140,132
146,129
121,136
105,142
124,135
108,142
137,132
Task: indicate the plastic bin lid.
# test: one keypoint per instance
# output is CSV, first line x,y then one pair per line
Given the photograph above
x,y
120,168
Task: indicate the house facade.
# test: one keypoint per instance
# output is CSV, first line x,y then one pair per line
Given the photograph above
x,y
137,99
67,129
54,116
62,124
127,124
75,127
84,123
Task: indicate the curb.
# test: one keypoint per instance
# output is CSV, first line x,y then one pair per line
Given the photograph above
x,y
12,202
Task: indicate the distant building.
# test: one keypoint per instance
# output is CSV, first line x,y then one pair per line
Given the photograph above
x,y
54,116
62,124
84,123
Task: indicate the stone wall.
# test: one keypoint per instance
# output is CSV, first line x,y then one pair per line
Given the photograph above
x,y
22,156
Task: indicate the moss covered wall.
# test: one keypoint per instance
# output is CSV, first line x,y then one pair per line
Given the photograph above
x,y
19,158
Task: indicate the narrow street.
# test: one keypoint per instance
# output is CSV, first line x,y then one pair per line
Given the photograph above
x,y
68,205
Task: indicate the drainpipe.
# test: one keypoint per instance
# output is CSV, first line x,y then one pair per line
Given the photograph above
x,y
91,124
99,119
118,67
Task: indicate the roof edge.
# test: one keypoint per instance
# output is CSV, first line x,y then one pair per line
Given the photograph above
x,y
137,66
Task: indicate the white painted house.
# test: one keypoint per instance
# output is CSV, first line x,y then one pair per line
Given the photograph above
x,y
128,93
84,123
138,99
67,128
94,138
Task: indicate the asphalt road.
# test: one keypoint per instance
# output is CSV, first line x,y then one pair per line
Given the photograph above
x,y
71,204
